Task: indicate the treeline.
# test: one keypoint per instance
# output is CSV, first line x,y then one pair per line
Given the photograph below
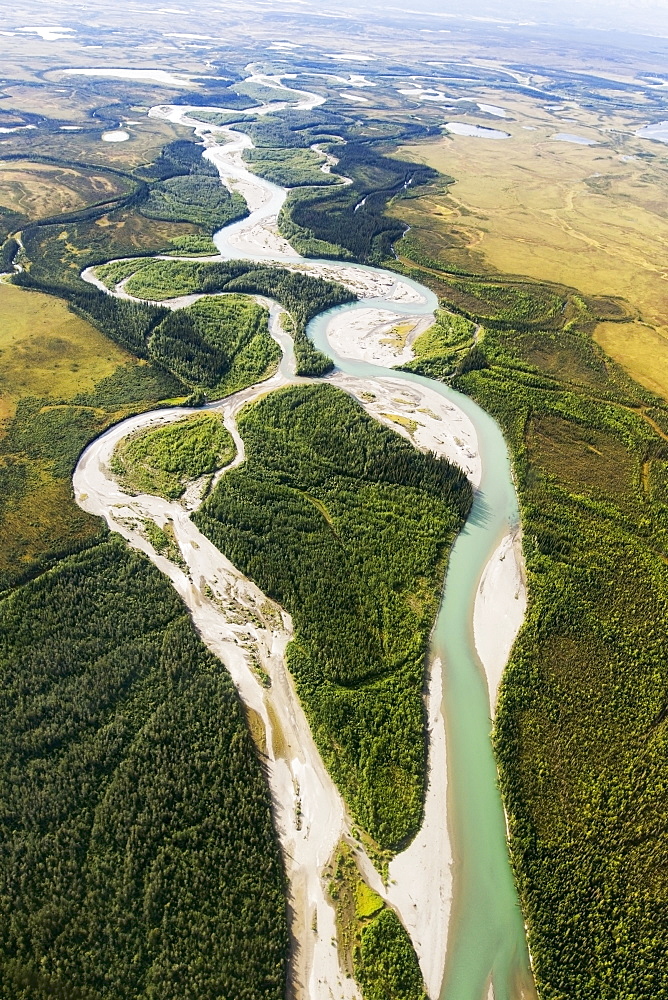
x,y
349,222
139,857
290,130
39,519
290,167
581,734
42,440
213,93
195,198
302,295
498,303
183,342
501,302
178,159
8,253
188,188
373,944
353,217
218,344
170,190
347,526
126,323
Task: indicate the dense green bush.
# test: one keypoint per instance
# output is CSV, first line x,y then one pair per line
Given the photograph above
x,y
581,731
386,965
289,167
195,245
439,350
162,461
348,526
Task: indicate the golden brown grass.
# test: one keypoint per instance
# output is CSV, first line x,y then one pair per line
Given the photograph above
x,y
39,190
42,518
590,217
146,140
47,351
65,106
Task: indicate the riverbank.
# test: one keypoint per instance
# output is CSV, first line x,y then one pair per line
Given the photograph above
x,y
311,818
379,336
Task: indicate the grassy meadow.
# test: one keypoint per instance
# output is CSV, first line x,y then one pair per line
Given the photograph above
x,y
587,217
46,350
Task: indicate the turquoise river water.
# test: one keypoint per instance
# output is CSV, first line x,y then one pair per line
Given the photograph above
x,y
486,939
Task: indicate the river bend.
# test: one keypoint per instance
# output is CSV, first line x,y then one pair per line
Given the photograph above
x,y
452,888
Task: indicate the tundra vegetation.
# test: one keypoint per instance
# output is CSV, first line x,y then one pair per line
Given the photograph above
x,y
594,216
580,727
178,195
62,383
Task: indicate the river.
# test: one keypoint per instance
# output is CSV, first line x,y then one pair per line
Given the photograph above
x,y
486,952
486,937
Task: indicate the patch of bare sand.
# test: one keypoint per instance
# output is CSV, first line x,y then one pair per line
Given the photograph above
x,y
500,607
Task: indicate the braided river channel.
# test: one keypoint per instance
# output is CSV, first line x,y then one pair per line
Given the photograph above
x,y
483,947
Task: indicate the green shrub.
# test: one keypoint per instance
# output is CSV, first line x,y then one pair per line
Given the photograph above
x,y
164,460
